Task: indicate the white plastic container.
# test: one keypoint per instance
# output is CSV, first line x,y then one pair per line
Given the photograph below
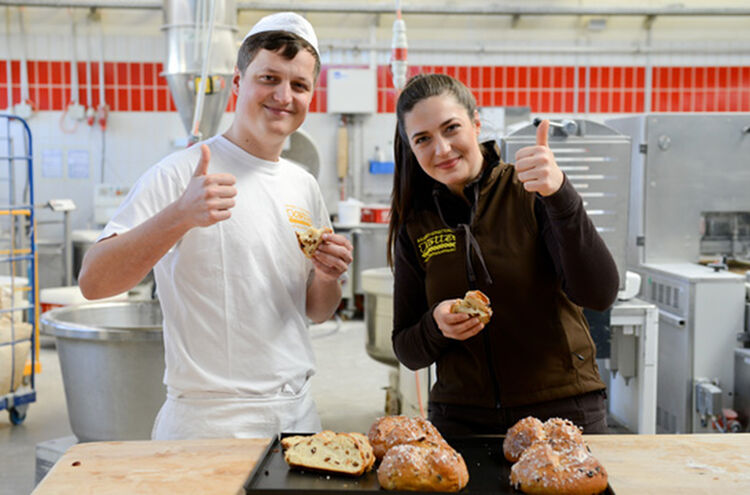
x,y
14,292
57,297
349,212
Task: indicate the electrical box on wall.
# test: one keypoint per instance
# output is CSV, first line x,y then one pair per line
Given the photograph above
x,y
351,91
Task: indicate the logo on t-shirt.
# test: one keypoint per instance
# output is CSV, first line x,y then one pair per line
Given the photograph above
x,y
436,242
299,217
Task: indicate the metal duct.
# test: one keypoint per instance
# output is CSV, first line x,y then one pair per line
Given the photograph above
x,y
186,28
386,7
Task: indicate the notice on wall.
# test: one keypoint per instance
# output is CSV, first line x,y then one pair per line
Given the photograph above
x,y
52,164
78,164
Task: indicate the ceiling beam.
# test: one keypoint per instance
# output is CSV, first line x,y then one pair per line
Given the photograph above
x,y
360,7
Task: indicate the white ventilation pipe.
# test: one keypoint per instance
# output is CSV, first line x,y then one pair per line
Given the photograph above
x,y
206,35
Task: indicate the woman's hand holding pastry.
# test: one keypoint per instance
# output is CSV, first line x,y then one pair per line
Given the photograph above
x,y
536,166
459,326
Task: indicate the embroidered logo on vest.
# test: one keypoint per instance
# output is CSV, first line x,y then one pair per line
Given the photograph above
x,y
436,242
298,216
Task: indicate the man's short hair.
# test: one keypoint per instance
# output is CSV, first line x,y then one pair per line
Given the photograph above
x,y
288,44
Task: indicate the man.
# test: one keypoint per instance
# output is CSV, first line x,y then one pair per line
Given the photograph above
x,y
217,223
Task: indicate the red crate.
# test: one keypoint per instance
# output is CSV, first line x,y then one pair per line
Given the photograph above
x,y
375,214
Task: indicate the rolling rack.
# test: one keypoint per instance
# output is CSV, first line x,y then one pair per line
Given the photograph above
x,y
19,298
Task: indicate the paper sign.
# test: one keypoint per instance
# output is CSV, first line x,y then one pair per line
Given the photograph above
x,y
78,164
52,163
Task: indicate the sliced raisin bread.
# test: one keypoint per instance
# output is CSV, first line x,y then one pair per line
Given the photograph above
x,y
344,453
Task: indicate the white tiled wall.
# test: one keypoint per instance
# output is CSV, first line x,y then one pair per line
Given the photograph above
x,y
134,140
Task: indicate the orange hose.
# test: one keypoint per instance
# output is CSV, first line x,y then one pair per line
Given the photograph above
x,y
419,395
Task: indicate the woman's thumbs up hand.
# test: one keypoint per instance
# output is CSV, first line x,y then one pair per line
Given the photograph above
x,y
536,166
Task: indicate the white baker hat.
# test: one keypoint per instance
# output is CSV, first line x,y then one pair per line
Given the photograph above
x,y
289,22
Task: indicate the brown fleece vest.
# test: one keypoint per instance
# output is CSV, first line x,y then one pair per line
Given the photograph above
x,y
537,345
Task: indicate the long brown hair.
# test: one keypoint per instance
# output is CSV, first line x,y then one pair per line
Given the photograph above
x,y
412,187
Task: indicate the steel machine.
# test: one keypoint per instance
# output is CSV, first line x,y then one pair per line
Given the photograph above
x,y
688,239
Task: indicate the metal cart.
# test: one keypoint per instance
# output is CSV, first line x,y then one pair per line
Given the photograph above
x,y
19,301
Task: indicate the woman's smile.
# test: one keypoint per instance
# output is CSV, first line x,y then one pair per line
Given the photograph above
x,y
448,164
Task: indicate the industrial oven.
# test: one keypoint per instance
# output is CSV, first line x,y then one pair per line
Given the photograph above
x,y
596,160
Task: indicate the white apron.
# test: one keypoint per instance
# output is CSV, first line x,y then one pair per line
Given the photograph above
x,y
191,417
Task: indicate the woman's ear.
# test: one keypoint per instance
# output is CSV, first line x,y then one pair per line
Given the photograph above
x,y
477,123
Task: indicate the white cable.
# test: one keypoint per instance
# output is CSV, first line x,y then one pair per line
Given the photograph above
x,y
73,61
24,68
101,64
89,101
8,70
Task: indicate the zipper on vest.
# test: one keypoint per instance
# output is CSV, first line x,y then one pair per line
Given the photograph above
x,y
491,366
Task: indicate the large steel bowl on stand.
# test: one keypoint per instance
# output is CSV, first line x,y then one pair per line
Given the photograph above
x,y
377,284
407,390
112,362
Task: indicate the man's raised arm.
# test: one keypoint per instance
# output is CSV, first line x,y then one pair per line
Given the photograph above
x,y
116,264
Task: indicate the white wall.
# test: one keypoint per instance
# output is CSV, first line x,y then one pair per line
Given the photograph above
x,y
134,140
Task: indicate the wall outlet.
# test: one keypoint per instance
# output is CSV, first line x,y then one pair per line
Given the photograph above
x,y
23,110
76,111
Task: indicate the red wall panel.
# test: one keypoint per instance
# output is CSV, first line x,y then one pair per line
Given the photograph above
x,y
138,86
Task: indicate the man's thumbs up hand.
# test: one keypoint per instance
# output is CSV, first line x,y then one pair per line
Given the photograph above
x,y
202,168
536,166
208,197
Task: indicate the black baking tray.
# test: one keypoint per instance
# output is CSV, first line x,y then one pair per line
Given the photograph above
x,y
489,472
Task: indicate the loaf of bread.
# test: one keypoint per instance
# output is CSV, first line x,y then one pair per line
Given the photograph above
x,y
327,451
552,458
310,240
521,436
545,470
560,433
474,303
423,466
388,431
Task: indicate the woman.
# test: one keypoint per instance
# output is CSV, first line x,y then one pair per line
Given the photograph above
x,y
462,219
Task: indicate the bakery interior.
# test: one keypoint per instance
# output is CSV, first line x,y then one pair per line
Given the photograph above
x,y
649,104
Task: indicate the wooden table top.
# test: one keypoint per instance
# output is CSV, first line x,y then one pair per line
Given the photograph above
x,y
637,465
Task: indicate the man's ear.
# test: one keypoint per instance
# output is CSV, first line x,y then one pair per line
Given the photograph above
x,y
236,80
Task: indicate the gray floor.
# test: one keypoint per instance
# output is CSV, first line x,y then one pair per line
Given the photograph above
x,y
348,391
46,419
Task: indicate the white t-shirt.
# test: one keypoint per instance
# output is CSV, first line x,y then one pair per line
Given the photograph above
x,y
233,294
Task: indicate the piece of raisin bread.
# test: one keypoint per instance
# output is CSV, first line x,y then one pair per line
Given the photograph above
x,y
366,448
474,303
331,452
311,239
